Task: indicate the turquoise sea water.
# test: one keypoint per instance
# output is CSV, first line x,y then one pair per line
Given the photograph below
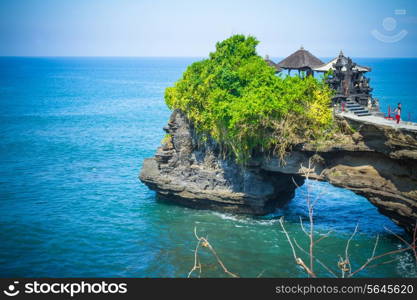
x,y
73,135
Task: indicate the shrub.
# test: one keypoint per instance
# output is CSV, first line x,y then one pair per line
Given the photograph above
x,y
235,97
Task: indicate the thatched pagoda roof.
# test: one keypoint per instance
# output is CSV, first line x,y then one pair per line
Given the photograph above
x,y
300,60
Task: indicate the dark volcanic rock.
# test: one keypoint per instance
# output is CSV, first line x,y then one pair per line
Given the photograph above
x,y
378,162
197,176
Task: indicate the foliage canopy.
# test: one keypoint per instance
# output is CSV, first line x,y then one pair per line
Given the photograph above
x,y
235,97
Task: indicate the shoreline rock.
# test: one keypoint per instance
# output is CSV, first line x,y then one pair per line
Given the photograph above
x,y
379,163
196,175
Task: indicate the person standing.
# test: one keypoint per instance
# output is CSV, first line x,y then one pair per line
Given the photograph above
x,y
398,113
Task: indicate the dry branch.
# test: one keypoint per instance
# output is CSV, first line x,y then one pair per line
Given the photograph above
x,y
203,242
344,263
297,259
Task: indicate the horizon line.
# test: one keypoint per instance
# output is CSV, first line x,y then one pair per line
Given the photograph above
x,y
157,56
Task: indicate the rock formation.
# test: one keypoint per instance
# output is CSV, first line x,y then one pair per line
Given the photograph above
x,y
197,176
379,163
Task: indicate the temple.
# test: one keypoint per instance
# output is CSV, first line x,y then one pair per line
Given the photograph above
x,y
346,78
351,86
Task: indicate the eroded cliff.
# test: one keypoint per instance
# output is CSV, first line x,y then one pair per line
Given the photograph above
x,y
378,162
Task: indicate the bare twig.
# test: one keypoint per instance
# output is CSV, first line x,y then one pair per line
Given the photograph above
x,y
281,222
203,242
326,235
317,260
295,183
345,264
378,257
310,207
411,245
376,245
302,226
260,274
383,263
197,264
368,261
297,259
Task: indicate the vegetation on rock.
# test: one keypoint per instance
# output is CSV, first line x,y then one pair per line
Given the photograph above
x,y
235,97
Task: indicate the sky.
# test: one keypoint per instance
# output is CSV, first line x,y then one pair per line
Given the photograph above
x,y
371,28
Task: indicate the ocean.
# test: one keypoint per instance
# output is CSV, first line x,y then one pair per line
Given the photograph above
x,y
73,136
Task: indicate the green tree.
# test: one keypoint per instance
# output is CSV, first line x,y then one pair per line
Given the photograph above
x,y
235,98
